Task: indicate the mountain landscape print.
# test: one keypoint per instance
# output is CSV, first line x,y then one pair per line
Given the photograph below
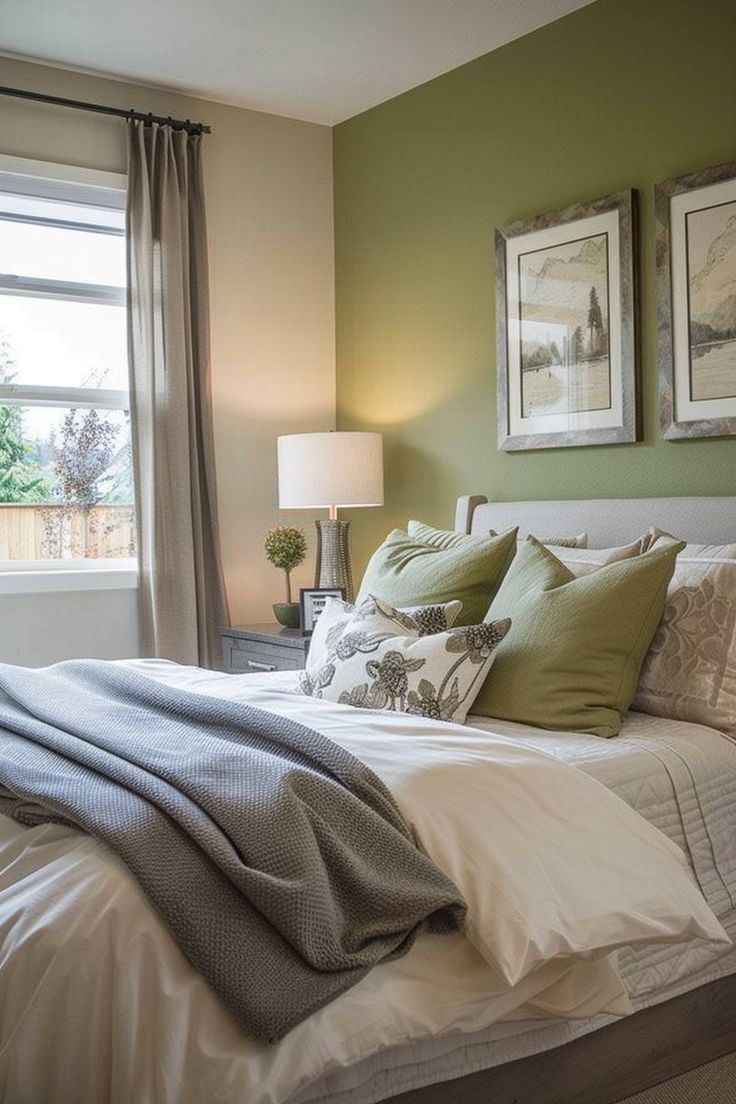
x,y
711,261
564,325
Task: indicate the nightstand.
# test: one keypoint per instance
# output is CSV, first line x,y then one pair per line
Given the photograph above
x,y
255,648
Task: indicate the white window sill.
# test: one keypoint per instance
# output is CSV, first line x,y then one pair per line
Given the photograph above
x,y
42,577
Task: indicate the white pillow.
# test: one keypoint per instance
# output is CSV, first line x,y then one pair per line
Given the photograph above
x,y
551,863
579,541
584,561
378,660
435,618
419,620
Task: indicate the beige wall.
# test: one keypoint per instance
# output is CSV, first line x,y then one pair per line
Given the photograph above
x,y
269,198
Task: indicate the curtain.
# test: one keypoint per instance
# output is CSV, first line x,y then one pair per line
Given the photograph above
x,y
181,587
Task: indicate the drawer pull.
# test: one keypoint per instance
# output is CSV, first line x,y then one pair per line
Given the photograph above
x,y
260,666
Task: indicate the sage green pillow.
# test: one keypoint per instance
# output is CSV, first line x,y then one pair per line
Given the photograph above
x,y
428,566
572,656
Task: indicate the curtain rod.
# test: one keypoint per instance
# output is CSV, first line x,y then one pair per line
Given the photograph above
x,y
101,109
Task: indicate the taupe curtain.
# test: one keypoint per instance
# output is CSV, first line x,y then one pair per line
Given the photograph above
x,y
181,588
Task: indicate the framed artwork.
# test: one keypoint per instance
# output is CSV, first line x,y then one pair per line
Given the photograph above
x,y
696,288
566,309
312,601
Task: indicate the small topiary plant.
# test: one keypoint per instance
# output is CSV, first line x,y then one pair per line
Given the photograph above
x,y
285,548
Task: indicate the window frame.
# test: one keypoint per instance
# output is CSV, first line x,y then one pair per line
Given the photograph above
x,y
70,184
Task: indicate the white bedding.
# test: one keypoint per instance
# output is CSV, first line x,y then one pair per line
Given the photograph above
x,y
682,777
88,977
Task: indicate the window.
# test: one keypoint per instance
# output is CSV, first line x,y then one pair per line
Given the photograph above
x,y
66,478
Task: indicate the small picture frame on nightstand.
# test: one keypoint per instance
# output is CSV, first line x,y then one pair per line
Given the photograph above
x,y
312,601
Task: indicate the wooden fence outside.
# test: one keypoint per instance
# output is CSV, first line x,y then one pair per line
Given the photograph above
x,y
34,531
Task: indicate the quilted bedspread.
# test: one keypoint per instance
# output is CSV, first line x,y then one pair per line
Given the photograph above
x,y
682,778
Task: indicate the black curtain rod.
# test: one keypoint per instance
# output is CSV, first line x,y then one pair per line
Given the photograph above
x,y
101,109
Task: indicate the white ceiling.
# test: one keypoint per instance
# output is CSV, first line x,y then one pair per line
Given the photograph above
x,y
319,60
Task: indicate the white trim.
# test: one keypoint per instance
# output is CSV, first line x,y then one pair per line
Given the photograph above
x,y
44,576
20,394
111,186
69,292
62,223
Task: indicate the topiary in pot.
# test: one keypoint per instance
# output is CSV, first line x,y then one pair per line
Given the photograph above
x,y
286,548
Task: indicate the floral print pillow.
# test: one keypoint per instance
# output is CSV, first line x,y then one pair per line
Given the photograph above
x,y
377,659
376,616
372,617
435,618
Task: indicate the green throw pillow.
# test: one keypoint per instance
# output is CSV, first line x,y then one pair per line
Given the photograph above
x,y
428,565
572,656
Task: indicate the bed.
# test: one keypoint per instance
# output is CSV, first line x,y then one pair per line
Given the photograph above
x,y
83,937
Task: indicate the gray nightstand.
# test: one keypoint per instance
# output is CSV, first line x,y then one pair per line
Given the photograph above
x,y
254,648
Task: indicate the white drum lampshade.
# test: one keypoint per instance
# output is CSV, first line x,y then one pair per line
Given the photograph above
x,y
327,470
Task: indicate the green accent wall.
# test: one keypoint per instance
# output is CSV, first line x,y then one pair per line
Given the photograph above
x,y
620,94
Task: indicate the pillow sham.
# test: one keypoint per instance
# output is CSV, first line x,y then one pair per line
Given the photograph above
x,y
429,566
710,551
438,617
580,541
414,620
376,618
692,550
571,660
582,561
689,672
371,667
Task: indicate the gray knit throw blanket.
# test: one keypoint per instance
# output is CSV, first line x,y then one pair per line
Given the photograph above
x,y
280,863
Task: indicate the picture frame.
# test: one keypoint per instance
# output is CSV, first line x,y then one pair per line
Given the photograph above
x,y
312,602
695,218
567,327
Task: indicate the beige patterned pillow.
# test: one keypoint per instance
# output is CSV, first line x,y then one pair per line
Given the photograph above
x,y
710,552
689,673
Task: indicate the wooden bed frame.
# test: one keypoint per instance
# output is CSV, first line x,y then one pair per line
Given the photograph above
x,y
677,1035
610,1064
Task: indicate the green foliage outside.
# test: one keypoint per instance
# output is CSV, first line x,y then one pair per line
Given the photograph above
x,y
21,480
83,464
21,477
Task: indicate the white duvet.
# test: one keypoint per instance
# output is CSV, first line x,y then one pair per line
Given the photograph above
x,y
97,1003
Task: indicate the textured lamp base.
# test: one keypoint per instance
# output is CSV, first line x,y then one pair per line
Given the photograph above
x,y
333,557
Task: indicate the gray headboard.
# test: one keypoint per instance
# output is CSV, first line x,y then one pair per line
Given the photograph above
x,y
607,521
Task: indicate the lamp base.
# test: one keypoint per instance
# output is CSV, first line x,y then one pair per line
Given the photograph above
x,y
333,557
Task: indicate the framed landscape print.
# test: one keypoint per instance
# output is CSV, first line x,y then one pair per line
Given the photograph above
x,y
696,286
567,327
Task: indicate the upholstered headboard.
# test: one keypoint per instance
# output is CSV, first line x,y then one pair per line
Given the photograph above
x,y
607,521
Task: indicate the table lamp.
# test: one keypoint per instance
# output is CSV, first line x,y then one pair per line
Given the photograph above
x,y
328,470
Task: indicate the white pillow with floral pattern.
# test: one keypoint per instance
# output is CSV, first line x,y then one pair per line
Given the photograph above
x,y
371,665
336,615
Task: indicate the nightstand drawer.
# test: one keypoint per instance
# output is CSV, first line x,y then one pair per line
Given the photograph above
x,y
242,660
254,656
